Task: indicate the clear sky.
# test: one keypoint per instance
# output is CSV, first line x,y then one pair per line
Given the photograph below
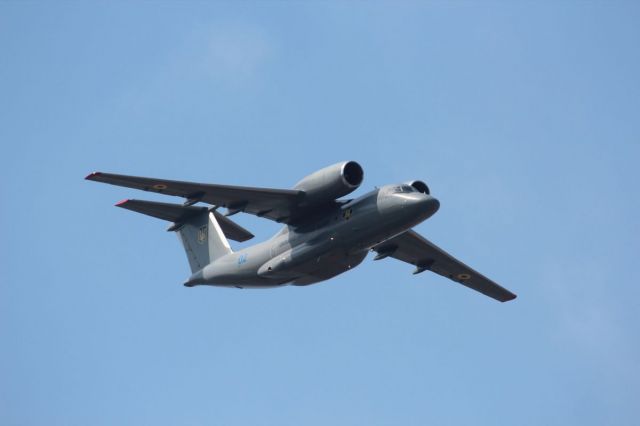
x,y
523,118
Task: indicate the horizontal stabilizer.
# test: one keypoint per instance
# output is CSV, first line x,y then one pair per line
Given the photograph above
x,y
179,214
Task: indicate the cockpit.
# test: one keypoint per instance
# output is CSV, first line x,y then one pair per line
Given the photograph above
x,y
402,189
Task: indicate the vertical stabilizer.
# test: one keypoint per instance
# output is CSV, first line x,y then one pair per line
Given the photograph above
x,y
203,240
218,244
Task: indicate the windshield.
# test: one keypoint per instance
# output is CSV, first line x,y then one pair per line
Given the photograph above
x,y
403,189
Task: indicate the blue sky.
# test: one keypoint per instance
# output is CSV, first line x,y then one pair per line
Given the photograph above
x,y
523,118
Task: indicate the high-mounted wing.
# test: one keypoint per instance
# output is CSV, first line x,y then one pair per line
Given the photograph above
x,y
413,248
274,204
180,214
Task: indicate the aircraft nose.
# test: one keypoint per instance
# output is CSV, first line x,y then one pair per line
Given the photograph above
x,y
418,204
412,206
430,205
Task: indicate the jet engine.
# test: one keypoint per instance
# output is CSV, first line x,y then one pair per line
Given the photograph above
x,y
331,182
419,186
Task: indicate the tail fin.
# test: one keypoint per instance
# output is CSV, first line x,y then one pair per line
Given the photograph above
x,y
203,240
198,228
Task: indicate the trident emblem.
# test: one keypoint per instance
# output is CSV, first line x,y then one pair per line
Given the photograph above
x,y
202,234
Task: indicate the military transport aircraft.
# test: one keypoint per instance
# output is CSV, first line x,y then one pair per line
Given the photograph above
x,y
323,235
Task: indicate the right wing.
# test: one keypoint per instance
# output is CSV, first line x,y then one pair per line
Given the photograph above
x,y
413,248
279,205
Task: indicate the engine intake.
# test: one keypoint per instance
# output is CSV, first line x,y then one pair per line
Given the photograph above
x,y
419,186
331,182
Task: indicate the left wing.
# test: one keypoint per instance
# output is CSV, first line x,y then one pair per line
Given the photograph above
x,y
413,248
275,204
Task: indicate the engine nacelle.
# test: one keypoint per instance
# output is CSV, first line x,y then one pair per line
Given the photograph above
x,y
331,182
419,186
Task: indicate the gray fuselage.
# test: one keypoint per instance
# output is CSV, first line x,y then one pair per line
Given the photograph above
x,y
328,244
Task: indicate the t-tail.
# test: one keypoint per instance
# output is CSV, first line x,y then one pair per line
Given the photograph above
x,y
202,231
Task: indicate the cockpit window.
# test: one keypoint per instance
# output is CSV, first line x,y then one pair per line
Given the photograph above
x,y
403,189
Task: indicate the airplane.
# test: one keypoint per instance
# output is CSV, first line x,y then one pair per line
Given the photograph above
x,y
323,235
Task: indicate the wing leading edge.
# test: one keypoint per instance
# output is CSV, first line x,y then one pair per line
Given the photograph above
x,y
275,204
413,248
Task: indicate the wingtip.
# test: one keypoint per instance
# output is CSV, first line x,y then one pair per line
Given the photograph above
x,y
92,175
121,203
510,297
